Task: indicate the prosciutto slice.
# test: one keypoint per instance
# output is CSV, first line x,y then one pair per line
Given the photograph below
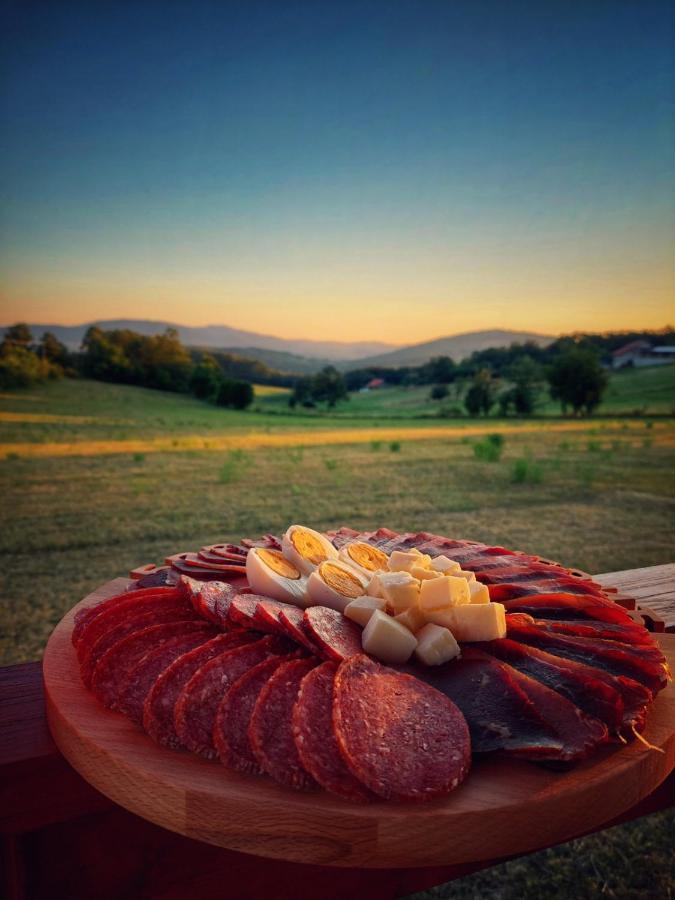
x,y
566,607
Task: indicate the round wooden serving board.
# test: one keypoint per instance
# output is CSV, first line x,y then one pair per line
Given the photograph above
x,y
505,807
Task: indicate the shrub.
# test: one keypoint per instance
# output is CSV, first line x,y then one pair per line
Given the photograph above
x,y
139,457
525,471
330,464
375,446
490,449
395,446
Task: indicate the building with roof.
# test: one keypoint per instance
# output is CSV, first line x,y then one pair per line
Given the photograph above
x,y
641,354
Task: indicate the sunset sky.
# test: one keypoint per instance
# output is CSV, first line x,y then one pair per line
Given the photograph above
x,y
345,171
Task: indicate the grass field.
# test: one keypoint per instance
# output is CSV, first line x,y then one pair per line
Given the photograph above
x,y
599,495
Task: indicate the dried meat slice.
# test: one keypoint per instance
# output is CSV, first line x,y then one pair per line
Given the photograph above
x,y
614,700
643,664
142,676
336,636
608,631
133,621
84,617
398,736
197,704
315,738
230,731
210,599
569,607
158,708
270,730
111,670
500,593
292,620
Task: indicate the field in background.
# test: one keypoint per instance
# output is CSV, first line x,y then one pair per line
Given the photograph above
x,y
599,495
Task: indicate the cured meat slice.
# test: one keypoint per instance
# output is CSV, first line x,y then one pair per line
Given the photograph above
x,y
111,670
569,607
315,738
645,665
292,620
140,679
398,736
230,731
582,685
625,634
270,730
336,636
501,715
269,541
162,576
195,561
227,551
210,599
87,615
266,617
243,610
197,703
132,622
500,593
159,704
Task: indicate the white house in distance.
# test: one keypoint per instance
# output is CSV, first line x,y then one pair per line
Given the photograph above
x,y
640,354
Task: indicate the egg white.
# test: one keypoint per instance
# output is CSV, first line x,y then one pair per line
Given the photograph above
x,y
264,580
345,557
293,555
323,594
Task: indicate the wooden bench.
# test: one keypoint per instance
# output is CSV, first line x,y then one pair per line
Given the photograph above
x,y
60,837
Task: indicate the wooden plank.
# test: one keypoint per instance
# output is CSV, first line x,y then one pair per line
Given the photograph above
x,y
653,587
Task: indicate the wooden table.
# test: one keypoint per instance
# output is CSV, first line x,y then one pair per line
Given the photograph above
x,y
60,837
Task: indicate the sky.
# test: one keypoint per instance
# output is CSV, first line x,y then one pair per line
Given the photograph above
x,y
389,171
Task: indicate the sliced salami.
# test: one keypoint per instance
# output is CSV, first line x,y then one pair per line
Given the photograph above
x,y
400,737
141,678
158,708
86,616
210,599
197,704
315,738
111,670
271,726
336,637
292,620
230,732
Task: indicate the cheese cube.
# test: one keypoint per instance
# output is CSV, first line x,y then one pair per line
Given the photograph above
x,y
400,590
404,560
477,622
387,640
479,592
361,609
441,593
413,619
436,645
374,588
470,576
423,574
445,565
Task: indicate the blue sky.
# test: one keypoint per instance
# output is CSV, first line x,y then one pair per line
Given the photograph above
x,y
373,170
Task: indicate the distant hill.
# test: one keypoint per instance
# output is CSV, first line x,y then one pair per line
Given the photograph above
x,y
220,336
280,361
457,347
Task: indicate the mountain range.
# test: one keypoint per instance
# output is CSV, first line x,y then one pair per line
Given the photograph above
x,y
304,356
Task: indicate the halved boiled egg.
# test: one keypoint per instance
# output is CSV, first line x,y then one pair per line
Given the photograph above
x,y
335,584
365,558
306,548
269,573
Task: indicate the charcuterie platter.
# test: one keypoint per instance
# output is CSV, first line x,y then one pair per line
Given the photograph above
x,y
482,801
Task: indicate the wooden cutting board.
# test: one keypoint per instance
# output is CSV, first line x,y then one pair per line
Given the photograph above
x,y
505,807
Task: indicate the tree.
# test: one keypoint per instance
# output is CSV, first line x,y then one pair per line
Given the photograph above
x,y
235,393
439,370
328,386
525,374
206,380
19,335
439,392
577,379
481,394
53,350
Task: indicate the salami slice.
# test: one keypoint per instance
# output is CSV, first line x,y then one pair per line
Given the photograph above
x,y
266,617
210,599
336,636
271,727
197,704
86,616
242,610
158,708
570,607
133,621
108,677
315,738
230,732
292,620
400,737
142,676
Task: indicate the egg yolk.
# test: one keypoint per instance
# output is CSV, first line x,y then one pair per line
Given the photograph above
x,y
308,546
367,557
341,581
278,563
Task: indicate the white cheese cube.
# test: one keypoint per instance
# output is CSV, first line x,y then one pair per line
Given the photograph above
x,y
479,592
374,588
436,645
470,576
400,590
361,609
477,622
404,560
413,619
445,564
441,593
387,640
423,574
